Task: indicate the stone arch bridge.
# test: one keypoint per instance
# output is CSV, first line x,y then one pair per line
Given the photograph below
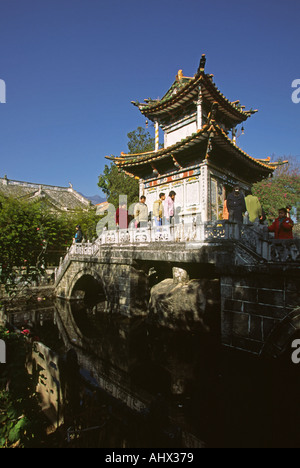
x,y
221,278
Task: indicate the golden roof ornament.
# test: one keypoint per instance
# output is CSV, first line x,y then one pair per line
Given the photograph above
x,y
179,75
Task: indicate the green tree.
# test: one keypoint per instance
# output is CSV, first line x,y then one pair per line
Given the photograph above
x,y
26,228
114,183
280,191
140,141
87,219
33,237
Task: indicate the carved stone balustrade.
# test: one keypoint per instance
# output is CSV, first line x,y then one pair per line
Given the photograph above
x,y
254,238
285,250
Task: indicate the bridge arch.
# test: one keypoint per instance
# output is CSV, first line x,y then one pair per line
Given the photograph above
x,y
280,339
87,284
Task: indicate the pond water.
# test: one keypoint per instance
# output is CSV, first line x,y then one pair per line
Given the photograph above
x,y
142,385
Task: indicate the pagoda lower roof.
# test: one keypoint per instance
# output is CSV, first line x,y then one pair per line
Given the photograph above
x,y
210,134
185,90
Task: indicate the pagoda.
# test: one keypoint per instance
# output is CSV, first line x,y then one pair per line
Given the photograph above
x,y
200,159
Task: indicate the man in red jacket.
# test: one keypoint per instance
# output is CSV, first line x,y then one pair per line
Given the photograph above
x,y
282,226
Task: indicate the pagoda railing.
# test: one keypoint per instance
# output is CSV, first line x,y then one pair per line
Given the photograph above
x,y
253,237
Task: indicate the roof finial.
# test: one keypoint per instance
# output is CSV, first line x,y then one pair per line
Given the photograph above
x,y
179,75
213,112
202,63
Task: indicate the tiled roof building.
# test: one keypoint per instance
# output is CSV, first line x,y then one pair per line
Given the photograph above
x,y
60,199
200,160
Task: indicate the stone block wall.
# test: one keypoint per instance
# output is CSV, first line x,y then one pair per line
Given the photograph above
x,y
253,305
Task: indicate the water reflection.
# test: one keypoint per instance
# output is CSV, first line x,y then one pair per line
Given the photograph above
x,y
143,385
167,373
163,384
40,322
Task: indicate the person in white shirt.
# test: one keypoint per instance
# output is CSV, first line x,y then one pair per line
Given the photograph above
x,y
141,213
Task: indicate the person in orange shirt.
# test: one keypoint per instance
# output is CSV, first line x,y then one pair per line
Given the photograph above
x,y
225,211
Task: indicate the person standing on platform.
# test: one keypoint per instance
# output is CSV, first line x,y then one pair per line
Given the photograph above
x,y
169,210
236,205
225,210
282,226
141,213
254,208
78,235
122,219
158,209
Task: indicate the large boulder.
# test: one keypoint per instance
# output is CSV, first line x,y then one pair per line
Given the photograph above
x,y
182,303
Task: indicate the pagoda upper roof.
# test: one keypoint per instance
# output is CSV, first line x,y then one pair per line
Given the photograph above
x,y
211,139
185,90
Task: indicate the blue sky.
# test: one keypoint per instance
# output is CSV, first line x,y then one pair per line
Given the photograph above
x,y
72,67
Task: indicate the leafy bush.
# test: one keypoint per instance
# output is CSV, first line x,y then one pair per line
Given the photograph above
x,y
30,235
21,420
279,192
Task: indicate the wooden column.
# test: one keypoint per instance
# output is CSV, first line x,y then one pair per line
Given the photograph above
x,y
156,136
199,109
